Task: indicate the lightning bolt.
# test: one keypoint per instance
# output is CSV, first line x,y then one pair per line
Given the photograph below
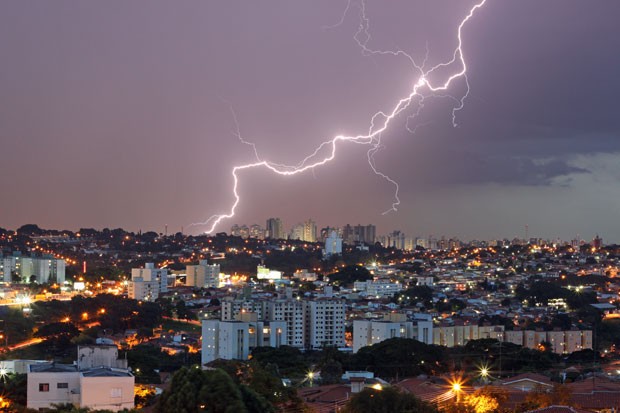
x,y
380,121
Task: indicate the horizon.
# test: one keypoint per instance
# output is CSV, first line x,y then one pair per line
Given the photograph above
x,y
579,237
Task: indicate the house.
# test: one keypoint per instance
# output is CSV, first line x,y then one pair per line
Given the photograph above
x,y
95,381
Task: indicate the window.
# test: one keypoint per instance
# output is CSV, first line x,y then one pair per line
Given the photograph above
x,y
44,387
62,386
116,392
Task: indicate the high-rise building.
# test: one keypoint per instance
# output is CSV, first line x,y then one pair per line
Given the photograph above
x,y
326,232
148,282
396,239
325,321
203,275
235,339
365,234
290,311
297,232
274,229
333,244
27,269
256,231
240,231
309,231
306,323
369,332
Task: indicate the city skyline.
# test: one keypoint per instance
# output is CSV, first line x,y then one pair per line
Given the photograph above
x,y
123,116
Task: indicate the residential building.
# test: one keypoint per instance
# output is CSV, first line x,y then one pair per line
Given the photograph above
x,y
369,332
235,339
378,288
148,282
203,275
94,382
275,229
333,244
324,323
32,269
290,311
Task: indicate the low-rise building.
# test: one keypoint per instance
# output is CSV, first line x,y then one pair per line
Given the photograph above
x,y
104,387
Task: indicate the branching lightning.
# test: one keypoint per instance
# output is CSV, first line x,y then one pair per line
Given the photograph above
x,y
422,89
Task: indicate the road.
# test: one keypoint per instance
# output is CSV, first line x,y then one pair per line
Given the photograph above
x,y
26,343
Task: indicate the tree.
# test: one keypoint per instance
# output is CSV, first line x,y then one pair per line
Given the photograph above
x,y
400,357
57,329
416,294
387,400
13,387
193,390
350,274
331,372
483,400
559,394
30,229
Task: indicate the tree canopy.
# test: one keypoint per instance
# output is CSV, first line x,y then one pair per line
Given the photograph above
x,y
387,400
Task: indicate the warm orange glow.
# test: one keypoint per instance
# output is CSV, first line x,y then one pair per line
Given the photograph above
x,y
482,403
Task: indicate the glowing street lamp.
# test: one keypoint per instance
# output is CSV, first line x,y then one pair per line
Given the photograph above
x,y
456,385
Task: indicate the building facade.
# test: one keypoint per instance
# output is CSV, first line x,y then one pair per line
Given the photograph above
x,y
147,283
203,275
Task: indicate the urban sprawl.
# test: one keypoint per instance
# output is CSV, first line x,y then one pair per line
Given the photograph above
x,y
310,319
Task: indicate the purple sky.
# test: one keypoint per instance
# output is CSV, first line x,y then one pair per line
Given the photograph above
x,y
116,114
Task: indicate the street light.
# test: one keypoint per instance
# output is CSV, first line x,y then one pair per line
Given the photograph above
x,y
456,385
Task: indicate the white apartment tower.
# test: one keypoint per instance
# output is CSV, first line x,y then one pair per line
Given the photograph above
x,y
291,311
333,244
148,282
235,339
367,332
324,324
37,269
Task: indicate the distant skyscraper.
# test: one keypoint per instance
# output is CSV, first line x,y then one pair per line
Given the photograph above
x,y
297,232
396,239
275,229
309,231
256,231
359,234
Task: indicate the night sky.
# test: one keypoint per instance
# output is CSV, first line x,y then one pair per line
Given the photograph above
x,y
120,114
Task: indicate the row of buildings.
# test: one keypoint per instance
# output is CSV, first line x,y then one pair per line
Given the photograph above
x,y
305,231
41,270
369,332
247,322
149,283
